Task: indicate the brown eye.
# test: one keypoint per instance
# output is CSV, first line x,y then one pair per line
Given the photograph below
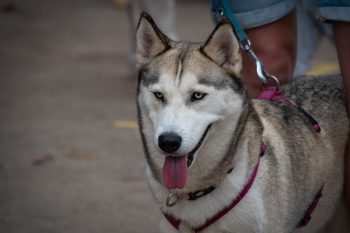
x,y
197,96
159,96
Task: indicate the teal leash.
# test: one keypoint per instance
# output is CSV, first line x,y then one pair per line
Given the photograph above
x,y
226,11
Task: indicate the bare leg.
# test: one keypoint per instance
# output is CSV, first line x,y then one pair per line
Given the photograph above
x,y
342,38
275,44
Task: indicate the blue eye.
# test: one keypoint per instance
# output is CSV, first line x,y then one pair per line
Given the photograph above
x,y
159,96
197,96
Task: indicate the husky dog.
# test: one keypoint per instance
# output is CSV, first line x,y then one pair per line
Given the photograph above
x,y
203,137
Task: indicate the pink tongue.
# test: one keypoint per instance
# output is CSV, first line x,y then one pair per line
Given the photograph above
x,y
175,172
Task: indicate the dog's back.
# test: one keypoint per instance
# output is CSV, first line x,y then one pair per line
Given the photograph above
x,y
322,97
310,159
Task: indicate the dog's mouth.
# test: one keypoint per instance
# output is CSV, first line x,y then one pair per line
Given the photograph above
x,y
175,168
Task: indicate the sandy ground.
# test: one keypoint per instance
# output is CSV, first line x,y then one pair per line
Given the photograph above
x,y
70,154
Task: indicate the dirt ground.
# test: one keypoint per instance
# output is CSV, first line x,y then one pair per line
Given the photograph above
x,y
70,154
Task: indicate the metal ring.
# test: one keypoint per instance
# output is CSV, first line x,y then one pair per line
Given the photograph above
x,y
246,45
274,79
220,11
169,201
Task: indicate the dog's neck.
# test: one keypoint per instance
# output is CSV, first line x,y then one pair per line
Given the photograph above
x,y
244,144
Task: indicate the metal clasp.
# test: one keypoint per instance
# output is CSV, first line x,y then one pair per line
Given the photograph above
x,y
225,11
260,69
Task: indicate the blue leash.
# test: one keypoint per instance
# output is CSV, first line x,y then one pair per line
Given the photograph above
x,y
226,11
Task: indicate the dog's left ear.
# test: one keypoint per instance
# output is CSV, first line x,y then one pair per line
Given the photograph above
x,y
223,48
150,41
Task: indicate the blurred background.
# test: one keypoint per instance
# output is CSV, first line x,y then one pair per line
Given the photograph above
x,y
70,154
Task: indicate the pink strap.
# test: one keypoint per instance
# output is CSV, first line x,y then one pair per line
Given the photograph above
x,y
273,93
307,216
173,221
176,222
233,203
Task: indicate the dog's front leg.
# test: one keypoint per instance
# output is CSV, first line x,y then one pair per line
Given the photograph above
x,y
276,229
166,227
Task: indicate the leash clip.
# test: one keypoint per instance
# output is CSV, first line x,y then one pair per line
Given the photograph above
x,y
246,46
225,11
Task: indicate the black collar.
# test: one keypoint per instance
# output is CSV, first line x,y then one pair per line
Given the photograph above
x,y
202,192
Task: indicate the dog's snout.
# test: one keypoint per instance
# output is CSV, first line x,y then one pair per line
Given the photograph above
x,y
169,142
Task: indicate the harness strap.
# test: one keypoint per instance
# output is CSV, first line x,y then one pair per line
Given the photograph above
x,y
173,221
307,216
176,222
239,197
274,94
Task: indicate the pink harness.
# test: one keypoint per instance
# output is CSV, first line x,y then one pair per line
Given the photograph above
x,y
273,94
176,222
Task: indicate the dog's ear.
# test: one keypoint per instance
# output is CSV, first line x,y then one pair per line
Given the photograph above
x,y
150,41
223,48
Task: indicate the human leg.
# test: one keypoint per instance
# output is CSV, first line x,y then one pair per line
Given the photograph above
x,y
310,33
275,44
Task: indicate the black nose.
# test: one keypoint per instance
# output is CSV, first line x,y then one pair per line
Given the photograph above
x,y
169,142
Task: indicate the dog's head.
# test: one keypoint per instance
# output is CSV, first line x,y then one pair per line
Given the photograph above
x,y
189,97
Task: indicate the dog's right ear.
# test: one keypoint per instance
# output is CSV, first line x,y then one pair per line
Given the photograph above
x,y
150,41
223,48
